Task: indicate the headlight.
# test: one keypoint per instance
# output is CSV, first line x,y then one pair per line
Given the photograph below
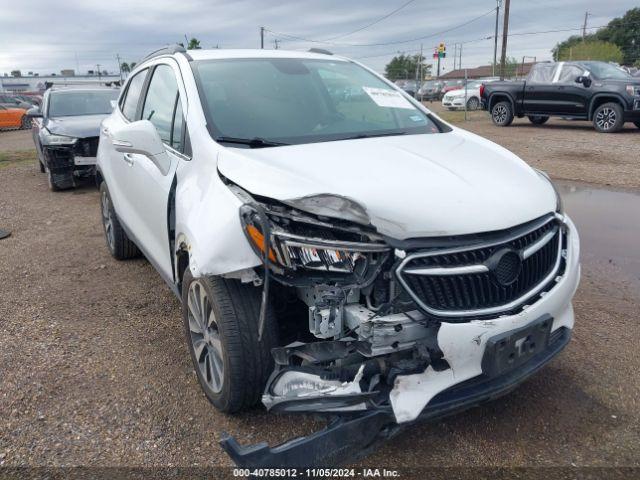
x,y
52,139
633,90
295,246
559,205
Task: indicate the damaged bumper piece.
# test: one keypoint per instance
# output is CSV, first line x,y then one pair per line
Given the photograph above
x,y
66,162
349,437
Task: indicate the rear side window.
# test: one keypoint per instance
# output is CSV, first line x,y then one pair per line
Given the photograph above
x,y
130,104
160,103
542,73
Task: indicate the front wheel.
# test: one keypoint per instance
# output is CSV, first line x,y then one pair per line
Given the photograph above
x,y
608,118
221,327
473,103
502,114
25,123
537,119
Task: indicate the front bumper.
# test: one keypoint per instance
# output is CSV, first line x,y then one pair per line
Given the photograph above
x,y
347,438
434,392
456,102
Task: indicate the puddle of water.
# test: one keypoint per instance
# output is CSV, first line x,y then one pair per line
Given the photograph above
x,y
608,222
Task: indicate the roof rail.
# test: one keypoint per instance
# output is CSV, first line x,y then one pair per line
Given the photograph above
x,y
168,50
320,50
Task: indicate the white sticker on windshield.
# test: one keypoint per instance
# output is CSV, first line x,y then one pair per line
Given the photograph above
x,y
388,98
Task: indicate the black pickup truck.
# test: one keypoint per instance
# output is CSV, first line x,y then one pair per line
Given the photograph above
x,y
594,91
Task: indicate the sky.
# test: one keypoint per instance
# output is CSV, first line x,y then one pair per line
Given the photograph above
x,y
47,36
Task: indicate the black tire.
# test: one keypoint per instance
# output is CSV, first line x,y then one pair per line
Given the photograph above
x,y
473,103
246,361
537,119
502,114
637,124
59,181
119,245
25,123
608,118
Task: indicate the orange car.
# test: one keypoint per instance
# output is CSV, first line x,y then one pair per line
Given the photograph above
x,y
14,118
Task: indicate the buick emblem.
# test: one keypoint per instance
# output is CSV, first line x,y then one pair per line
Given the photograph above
x,y
505,264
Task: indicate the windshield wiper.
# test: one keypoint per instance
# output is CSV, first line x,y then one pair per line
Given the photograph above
x,y
373,135
255,142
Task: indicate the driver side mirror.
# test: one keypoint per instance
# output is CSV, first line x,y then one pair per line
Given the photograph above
x,y
34,112
142,138
584,80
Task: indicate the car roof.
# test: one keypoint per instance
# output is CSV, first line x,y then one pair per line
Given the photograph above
x,y
223,53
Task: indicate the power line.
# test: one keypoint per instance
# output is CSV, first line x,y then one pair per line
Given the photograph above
x,y
373,23
398,42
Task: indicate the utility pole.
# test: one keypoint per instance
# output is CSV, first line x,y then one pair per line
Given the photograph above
x,y
186,41
98,67
261,37
495,38
460,59
584,26
119,66
455,55
505,35
418,74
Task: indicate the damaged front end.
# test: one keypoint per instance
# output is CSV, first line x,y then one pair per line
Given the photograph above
x,y
359,344
70,161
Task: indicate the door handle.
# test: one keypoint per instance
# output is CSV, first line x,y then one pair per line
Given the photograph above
x,y
128,159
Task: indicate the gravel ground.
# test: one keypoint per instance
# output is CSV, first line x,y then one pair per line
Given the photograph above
x,y
94,369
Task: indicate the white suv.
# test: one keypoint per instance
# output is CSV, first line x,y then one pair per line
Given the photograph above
x,y
337,247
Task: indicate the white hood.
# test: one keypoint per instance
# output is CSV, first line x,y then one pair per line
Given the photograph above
x,y
411,186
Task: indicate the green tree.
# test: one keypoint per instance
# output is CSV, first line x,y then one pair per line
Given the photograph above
x,y
623,32
511,65
194,44
132,65
124,66
404,67
592,50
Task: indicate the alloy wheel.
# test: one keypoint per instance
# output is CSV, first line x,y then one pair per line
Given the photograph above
x,y
107,220
606,118
205,337
500,114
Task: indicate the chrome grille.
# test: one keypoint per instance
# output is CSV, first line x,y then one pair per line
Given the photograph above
x,y
484,278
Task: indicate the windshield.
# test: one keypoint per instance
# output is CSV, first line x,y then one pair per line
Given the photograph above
x,y
604,71
67,104
294,101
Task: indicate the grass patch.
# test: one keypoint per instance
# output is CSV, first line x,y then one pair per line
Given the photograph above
x,y
16,157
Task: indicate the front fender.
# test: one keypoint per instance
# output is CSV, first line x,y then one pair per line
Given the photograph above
x,y
208,223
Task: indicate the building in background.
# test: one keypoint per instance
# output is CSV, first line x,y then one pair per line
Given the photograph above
x,y
522,70
39,83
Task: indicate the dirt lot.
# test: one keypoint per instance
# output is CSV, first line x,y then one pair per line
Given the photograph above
x,y
94,370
